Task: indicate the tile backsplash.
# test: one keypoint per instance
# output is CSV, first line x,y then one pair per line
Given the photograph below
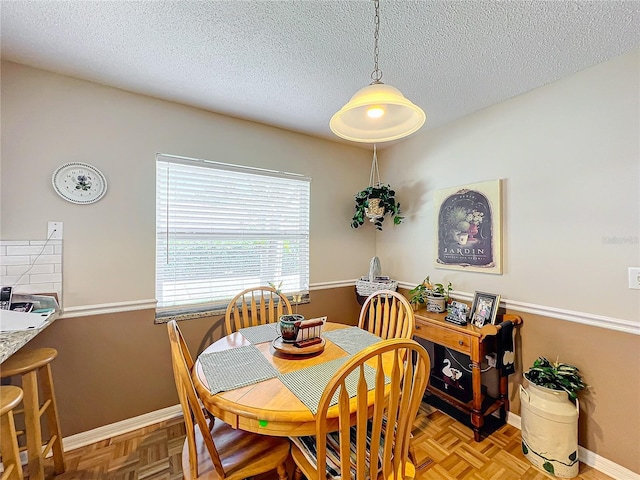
x,y
31,266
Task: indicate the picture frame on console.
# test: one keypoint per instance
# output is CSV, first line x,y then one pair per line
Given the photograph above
x,y
457,313
484,309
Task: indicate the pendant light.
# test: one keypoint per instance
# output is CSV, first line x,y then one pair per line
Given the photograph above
x,y
377,112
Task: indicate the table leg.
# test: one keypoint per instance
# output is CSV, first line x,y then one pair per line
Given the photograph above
x,y
476,412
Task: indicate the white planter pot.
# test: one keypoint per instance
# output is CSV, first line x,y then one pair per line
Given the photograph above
x,y
436,304
549,430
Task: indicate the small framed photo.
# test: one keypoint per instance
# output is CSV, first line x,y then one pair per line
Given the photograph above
x,y
484,309
457,313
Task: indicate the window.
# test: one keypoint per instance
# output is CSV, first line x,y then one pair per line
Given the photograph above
x,y
222,228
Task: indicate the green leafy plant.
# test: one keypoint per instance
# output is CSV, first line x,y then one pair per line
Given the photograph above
x,y
386,201
556,376
277,288
426,289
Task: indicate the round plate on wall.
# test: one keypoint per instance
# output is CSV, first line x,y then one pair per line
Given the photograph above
x,y
79,183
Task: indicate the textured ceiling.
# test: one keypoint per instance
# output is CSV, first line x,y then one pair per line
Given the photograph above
x,y
293,63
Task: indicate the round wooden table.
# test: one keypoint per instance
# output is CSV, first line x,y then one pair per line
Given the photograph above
x,y
268,407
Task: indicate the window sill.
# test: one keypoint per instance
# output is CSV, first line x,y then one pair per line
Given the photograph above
x,y
188,314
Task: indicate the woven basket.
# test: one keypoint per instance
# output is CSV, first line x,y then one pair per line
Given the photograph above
x,y
374,210
365,288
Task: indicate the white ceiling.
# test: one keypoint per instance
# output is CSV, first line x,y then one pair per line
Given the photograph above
x,y
293,63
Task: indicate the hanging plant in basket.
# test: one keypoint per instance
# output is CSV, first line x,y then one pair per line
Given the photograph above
x,y
376,201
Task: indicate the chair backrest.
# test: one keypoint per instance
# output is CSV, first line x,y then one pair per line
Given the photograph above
x,y
194,417
387,314
255,306
388,422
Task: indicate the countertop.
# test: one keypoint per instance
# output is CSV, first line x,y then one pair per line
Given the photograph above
x,y
11,342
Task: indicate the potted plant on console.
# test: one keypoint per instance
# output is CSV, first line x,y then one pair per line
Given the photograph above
x,y
434,295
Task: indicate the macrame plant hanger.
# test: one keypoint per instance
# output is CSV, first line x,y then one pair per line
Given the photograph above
x,y
374,210
375,173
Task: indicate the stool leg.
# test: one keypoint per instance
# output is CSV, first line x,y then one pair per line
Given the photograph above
x,y
10,450
52,419
32,424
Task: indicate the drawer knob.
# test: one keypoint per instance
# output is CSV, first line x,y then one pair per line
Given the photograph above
x,y
460,342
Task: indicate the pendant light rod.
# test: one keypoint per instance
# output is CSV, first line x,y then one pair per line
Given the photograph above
x,y
377,113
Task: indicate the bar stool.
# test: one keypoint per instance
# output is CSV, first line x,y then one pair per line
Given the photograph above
x,y
10,398
32,365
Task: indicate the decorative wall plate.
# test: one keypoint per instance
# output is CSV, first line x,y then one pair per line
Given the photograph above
x,y
79,183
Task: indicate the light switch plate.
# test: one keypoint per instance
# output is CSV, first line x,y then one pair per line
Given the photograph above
x,y
634,278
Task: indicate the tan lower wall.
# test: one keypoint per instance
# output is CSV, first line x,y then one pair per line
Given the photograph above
x,y
609,423
117,366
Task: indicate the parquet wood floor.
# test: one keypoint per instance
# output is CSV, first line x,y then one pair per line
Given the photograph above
x,y
445,450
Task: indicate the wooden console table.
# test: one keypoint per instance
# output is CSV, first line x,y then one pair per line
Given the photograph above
x,y
476,343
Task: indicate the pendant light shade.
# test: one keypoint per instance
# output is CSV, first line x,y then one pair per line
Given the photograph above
x,y
377,113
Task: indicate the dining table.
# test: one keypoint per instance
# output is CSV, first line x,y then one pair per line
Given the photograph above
x,y
245,381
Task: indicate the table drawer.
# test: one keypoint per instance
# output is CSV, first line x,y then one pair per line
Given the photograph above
x,y
455,340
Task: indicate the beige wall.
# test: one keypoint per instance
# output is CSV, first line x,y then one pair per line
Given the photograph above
x,y
569,157
109,246
568,154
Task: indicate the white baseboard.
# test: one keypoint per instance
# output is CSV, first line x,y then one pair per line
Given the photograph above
x,y
606,466
587,457
514,420
119,428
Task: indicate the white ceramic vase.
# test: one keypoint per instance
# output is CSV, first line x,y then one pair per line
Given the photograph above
x,y
375,269
549,430
436,304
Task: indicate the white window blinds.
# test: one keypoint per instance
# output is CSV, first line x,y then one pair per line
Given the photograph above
x,y
222,228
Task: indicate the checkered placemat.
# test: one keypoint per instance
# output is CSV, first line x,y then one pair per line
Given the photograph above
x,y
242,366
352,340
260,333
308,383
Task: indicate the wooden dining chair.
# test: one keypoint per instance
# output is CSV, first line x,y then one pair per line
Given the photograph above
x,y
387,314
212,449
381,432
255,306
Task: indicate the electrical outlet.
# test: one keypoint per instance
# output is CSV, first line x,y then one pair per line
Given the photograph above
x,y
634,278
54,232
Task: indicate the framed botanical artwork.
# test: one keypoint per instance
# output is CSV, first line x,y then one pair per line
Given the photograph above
x,y
469,227
484,309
